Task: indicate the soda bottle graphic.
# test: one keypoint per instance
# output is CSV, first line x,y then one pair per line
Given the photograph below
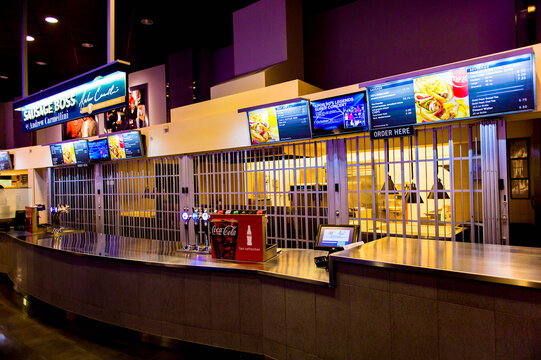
x,y
249,236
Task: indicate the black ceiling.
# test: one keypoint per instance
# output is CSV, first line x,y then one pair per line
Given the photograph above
x,y
199,23
177,25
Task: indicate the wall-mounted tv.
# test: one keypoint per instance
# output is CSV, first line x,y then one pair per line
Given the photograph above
x,y
5,161
505,85
283,122
98,150
70,153
340,114
125,145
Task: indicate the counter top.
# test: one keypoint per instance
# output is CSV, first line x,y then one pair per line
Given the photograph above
x,y
290,264
512,265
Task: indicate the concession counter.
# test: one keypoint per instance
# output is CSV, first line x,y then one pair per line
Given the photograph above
x,y
445,298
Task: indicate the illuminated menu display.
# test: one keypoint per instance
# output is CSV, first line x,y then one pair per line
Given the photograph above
x,y
70,153
98,150
280,123
5,161
392,104
489,88
504,86
339,114
125,145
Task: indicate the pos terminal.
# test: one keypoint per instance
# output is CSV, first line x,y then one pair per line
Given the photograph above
x,y
333,238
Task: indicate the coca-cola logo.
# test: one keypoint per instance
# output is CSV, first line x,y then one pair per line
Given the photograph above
x,y
228,230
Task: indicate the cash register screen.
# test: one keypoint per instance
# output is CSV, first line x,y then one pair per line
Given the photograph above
x,y
336,236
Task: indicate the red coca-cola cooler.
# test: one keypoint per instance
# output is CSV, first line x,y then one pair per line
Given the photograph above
x,y
240,238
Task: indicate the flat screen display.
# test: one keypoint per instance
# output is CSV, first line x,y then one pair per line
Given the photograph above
x,y
126,145
335,236
5,161
70,153
392,104
98,150
339,115
489,88
280,123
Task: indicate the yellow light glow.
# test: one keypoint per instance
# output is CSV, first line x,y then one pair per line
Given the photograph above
x,y
531,8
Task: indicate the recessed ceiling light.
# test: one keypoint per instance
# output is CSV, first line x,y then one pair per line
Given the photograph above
x,y
87,45
147,22
3,77
30,38
51,20
41,63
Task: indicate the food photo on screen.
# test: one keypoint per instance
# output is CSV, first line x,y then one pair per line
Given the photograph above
x,y
116,147
442,96
80,128
263,126
68,154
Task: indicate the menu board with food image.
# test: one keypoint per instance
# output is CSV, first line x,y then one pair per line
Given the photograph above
x,y
125,145
69,153
280,123
495,87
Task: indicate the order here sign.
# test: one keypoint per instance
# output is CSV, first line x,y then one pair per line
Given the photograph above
x,y
398,131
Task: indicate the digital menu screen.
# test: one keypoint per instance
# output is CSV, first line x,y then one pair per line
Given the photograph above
x,y
70,153
125,145
98,150
392,104
339,115
5,161
280,123
489,88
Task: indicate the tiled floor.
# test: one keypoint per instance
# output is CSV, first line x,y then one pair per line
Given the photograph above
x,y
30,329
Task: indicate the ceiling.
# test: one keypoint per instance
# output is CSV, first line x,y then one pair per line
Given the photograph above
x,y
199,23
176,26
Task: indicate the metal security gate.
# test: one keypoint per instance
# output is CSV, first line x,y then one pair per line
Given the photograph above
x,y
74,186
443,183
289,182
141,198
430,186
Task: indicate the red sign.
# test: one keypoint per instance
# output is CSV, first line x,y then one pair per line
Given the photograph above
x,y
237,237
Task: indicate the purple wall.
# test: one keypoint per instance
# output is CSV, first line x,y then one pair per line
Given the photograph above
x,y
259,36
224,67
180,77
366,40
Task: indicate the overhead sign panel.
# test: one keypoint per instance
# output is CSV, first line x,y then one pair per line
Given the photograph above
x,y
95,92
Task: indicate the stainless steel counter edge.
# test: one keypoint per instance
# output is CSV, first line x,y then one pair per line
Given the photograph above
x,y
286,257
464,257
